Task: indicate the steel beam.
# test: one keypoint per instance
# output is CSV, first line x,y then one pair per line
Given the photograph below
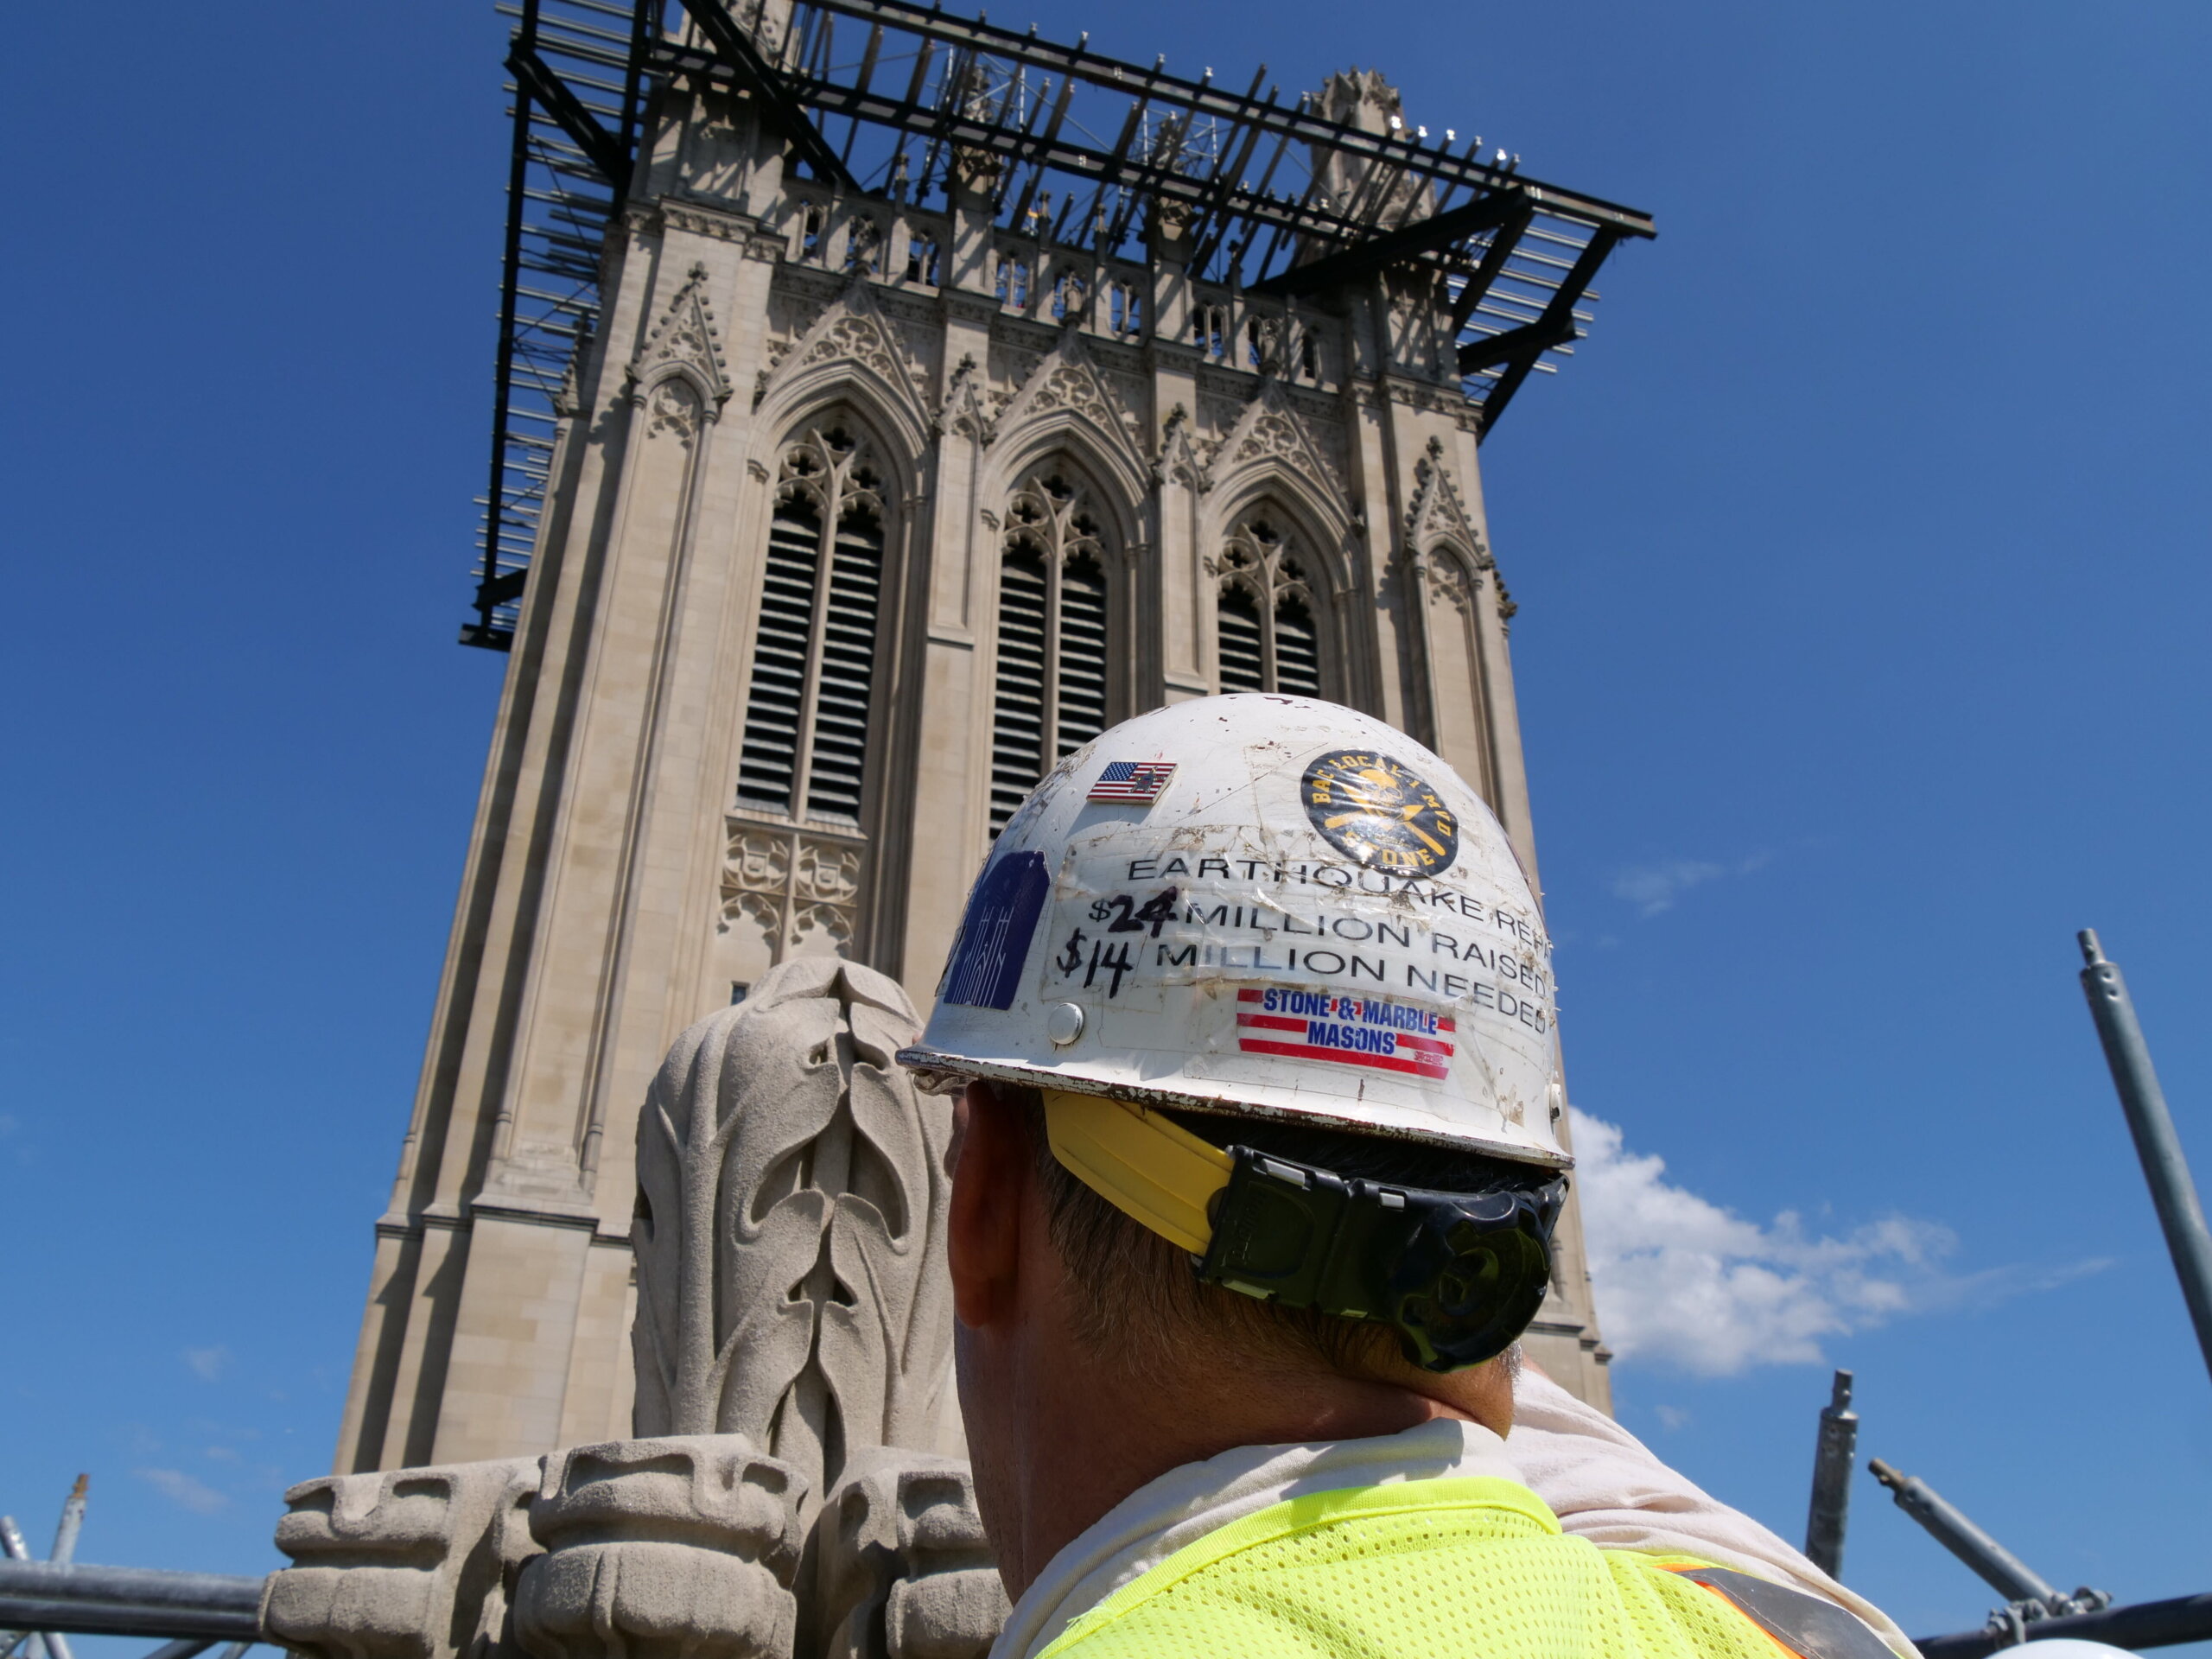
x,y
734,47
1204,98
1556,326
2138,1625
1408,241
534,79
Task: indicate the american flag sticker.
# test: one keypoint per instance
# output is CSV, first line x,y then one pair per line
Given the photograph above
x,y
1133,781
1370,1030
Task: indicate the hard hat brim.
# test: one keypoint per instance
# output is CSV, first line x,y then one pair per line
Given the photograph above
x,y
1388,1122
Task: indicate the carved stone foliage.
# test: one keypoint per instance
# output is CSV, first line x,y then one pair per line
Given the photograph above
x,y
790,1232
855,330
1067,388
1440,543
685,338
1068,380
673,409
680,1548
901,1568
1270,431
407,1564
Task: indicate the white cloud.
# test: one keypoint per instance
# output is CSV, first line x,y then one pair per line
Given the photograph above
x,y
1673,1416
181,1489
1653,888
1681,1281
208,1363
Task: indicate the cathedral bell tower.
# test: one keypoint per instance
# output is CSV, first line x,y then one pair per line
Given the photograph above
x,y
888,403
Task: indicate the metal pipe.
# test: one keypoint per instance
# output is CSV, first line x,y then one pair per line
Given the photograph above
x,y
1832,1454
1996,1566
12,1545
2142,1625
2156,1144
72,1523
128,1601
63,1552
190,1647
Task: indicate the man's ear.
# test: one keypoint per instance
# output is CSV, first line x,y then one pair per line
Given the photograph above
x,y
991,1174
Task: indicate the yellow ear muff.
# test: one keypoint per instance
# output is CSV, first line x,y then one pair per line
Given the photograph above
x,y
1151,1169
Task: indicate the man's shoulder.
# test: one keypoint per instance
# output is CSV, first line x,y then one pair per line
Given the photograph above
x,y
1360,1569
1440,1567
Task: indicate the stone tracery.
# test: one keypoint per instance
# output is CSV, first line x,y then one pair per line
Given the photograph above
x,y
808,716
1051,692
1265,610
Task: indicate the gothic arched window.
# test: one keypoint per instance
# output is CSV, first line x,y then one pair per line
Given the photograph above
x,y
1265,614
814,658
1051,692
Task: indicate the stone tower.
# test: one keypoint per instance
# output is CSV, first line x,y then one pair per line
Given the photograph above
x,y
888,449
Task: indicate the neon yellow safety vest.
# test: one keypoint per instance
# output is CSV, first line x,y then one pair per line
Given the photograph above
x,y
1437,1569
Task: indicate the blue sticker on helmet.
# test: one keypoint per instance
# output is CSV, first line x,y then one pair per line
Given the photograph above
x,y
994,934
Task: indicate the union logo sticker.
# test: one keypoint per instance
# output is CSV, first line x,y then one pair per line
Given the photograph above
x,y
1379,812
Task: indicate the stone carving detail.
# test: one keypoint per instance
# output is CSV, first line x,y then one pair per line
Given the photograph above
x,y
901,1568
673,408
1263,562
792,884
1218,414
860,339
1178,461
792,1294
1270,431
964,411
686,338
855,330
789,1233
1012,368
408,1564
1449,580
1436,508
1362,98
662,1549
1068,382
1441,545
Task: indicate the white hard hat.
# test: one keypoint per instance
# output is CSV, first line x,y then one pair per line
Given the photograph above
x,y
1264,907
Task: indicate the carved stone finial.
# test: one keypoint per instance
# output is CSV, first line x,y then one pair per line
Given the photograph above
x,y
790,1236
964,411
1178,461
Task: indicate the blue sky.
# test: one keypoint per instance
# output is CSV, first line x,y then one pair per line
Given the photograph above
x,y
1860,559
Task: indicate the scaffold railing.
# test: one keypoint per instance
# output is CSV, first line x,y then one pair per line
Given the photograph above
x,y
885,98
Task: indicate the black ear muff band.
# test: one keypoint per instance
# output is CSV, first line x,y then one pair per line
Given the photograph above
x,y
1461,1276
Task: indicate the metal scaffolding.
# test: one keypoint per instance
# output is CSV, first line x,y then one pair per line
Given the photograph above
x,y
878,96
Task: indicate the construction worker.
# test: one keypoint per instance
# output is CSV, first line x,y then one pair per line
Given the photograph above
x,y
1256,1166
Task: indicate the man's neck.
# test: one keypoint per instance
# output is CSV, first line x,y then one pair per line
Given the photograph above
x,y
1084,1448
